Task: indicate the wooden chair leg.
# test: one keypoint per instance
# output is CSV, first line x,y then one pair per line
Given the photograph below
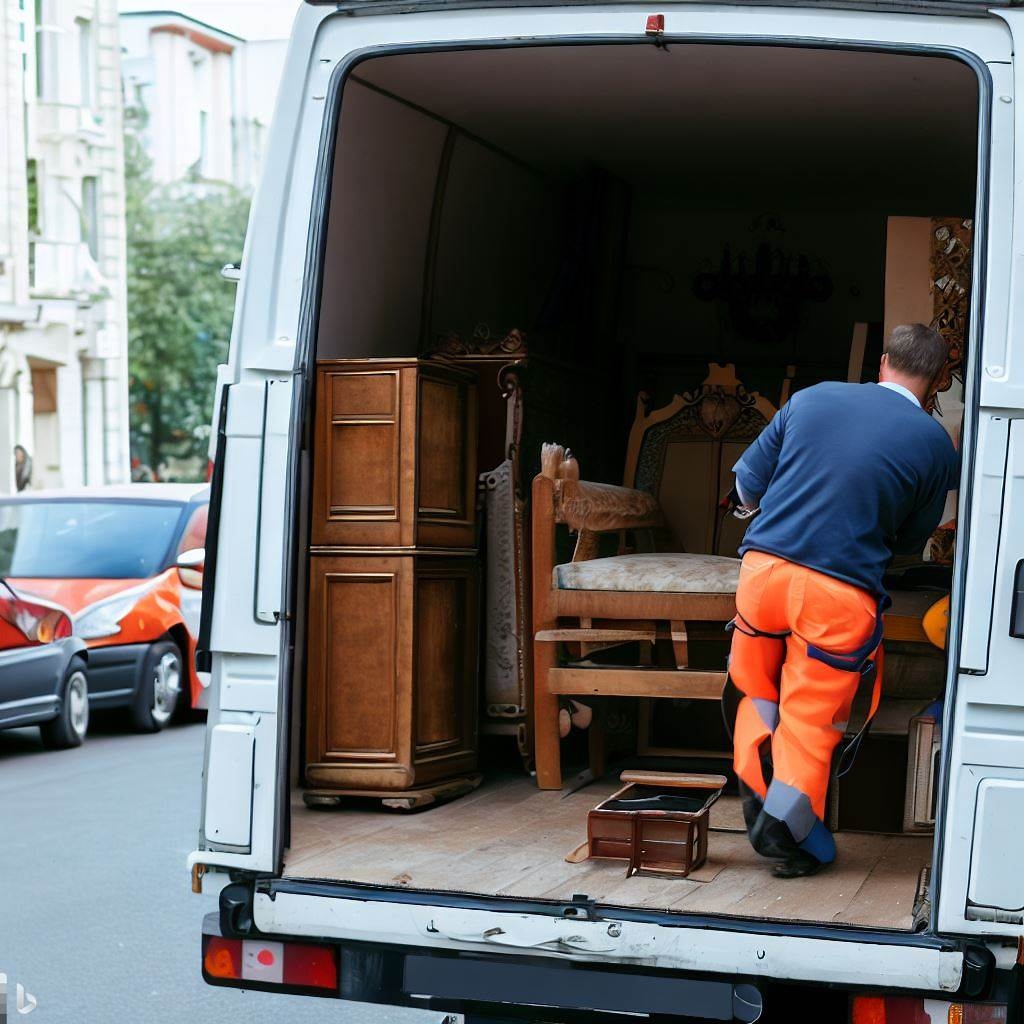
x,y
680,642
547,749
545,616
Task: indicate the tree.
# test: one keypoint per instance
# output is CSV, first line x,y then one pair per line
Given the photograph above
x,y
179,308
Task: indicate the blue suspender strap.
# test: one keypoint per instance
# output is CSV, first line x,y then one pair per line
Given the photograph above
x,y
748,630
855,661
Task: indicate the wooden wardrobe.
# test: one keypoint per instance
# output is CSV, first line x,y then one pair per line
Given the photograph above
x,y
393,598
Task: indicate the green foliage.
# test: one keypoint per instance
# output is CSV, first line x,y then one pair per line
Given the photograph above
x,y
179,308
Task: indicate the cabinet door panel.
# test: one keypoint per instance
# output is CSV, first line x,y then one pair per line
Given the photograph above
x,y
358,492
442,449
445,683
446,461
440,617
363,483
359,699
360,664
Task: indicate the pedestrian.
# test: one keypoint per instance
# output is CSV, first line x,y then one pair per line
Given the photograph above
x,y
846,476
22,467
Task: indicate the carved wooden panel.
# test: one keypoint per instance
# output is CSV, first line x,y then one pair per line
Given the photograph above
x,y
951,263
394,457
683,454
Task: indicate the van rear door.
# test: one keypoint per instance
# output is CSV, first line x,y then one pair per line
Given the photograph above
x,y
980,881
245,772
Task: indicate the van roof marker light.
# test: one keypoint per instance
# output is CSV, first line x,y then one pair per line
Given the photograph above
x,y
655,25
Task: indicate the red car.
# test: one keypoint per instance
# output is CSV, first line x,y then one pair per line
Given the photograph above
x,y
127,564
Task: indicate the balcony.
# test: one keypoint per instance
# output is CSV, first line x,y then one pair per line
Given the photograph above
x,y
57,122
64,270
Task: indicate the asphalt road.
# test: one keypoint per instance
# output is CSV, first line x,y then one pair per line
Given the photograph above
x,y
97,919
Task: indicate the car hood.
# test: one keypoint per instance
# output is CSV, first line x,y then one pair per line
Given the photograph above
x,y
74,595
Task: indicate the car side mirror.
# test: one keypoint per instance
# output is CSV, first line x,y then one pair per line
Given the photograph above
x,y
190,568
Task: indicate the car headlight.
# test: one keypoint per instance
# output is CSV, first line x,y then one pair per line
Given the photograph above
x,y
104,618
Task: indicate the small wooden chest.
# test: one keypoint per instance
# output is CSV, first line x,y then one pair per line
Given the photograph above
x,y
657,822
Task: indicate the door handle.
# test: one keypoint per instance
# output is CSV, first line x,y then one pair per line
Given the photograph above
x,y
1017,604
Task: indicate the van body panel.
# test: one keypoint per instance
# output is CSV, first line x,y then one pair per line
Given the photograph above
x,y
987,745
750,953
274,335
934,7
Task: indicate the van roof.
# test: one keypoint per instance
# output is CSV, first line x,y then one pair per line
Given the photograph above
x,y
968,7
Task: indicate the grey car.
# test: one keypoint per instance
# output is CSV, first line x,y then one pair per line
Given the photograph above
x,y
43,670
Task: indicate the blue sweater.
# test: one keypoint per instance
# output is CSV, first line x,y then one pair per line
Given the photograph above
x,y
847,475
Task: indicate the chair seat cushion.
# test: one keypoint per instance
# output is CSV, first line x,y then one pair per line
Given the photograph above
x,y
670,572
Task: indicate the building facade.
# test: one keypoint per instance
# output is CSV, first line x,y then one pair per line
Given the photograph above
x,y
63,307
208,95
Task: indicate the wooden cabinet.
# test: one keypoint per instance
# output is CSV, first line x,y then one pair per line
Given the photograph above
x,y
391,703
395,456
392,670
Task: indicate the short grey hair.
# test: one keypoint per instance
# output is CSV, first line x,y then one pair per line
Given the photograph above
x,y
917,350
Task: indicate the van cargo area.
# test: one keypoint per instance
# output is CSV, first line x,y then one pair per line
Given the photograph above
x,y
585,245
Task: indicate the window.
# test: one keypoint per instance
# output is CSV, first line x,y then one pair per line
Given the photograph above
x,y
32,182
40,62
86,62
203,127
91,216
194,534
86,539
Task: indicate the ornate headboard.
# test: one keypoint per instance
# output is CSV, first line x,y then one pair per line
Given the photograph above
x,y
683,454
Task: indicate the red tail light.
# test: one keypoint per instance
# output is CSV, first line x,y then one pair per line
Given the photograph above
x,y
245,963
29,623
910,1010
310,966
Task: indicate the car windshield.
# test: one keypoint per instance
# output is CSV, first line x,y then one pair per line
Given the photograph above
x,y
85,539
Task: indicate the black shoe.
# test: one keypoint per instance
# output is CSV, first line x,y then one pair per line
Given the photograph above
x,y
771,838
798,865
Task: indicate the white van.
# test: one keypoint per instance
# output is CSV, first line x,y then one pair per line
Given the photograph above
x,y
641,192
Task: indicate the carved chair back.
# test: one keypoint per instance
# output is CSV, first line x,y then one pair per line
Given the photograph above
x,y
683,454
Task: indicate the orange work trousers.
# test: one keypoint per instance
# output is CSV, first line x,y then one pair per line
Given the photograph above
x,y
793,708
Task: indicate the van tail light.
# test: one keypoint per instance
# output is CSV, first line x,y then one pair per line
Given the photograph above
x,y
912,1010
305,967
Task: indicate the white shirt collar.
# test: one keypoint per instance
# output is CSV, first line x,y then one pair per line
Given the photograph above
x,y
900,390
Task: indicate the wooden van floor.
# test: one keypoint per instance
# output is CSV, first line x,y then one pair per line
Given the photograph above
x,y
509,838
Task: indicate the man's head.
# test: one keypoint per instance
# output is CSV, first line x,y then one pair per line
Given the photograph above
x,y
914,358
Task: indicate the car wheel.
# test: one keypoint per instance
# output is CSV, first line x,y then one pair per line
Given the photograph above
x,y
159,687
68,729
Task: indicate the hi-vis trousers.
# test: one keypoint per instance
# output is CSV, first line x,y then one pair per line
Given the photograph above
x,y
802,645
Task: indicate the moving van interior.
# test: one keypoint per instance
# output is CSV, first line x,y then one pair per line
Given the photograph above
x,y
637,252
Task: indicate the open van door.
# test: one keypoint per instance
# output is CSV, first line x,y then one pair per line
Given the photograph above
x,y
980,879
242,631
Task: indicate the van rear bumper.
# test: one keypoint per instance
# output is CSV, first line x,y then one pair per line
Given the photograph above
x,y
493,986
613,938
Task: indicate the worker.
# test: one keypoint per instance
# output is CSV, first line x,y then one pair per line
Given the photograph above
x,y
845,476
